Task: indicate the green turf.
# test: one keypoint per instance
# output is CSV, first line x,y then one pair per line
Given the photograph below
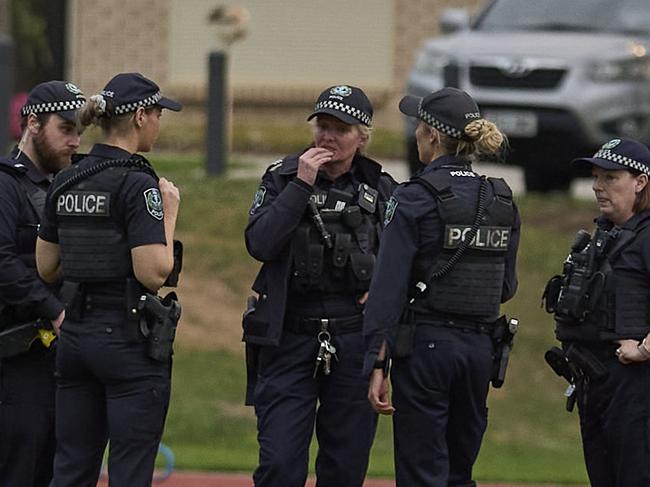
x,y
530,437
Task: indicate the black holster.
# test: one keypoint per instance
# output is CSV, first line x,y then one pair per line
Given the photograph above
x,y
158,321
405,334
503,334
252,354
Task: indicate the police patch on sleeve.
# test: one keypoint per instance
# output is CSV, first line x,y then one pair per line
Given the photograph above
x,y
391,206
153,200
258,199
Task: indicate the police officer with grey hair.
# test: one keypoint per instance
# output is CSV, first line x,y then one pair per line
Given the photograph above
x,y
446,262
28,306
601,306
108,232
315,225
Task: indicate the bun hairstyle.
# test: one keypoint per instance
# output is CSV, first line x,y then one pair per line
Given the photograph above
x,y
485,136
96,111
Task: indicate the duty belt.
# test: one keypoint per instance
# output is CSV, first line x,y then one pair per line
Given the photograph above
x,y
339,325
452,322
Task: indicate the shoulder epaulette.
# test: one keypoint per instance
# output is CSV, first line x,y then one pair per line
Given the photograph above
x,y
277,164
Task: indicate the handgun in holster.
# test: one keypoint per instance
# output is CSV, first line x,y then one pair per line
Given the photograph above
x,y
158,321
557,360
503,335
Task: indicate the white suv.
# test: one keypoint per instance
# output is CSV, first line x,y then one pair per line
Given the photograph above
x,y
559,77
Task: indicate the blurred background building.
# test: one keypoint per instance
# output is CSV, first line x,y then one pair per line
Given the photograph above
x,y
293,48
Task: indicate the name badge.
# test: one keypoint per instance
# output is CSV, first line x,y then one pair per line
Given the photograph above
x,y
486,238
84,203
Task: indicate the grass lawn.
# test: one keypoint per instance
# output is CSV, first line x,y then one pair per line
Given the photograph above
x,y
530,437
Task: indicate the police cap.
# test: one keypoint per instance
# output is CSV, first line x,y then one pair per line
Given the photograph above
x,y
60,97
448,110
129,91
620,154
347,103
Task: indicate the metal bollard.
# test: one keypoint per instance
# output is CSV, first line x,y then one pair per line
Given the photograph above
x,y
217,117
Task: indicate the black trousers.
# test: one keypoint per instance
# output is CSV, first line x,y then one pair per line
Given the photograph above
x,y
289,401
27,418
615,425
439,395
108,390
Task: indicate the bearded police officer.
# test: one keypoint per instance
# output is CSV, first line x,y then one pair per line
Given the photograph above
x,y
601,304
107,230
315,225
29,307
446,262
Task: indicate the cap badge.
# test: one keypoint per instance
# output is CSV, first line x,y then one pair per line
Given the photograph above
x,y
611,144
341,90
72,88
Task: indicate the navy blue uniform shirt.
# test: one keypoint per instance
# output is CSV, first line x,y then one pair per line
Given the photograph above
x,y
278,209
128,209
416,228
634,257
20,284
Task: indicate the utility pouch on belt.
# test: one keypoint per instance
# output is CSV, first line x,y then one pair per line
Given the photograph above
x,y
503,335
172,278
405,334
255,321
158,322
71,295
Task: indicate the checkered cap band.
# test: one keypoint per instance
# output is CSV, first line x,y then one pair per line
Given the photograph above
x,y
620,159
443,127
342,107
133,106
52,107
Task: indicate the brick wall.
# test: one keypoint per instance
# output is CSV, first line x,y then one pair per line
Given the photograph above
x,y
109,37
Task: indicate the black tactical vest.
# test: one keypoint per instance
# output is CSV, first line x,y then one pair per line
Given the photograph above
x,y
337,253
593,301
469,285
91,235
27,231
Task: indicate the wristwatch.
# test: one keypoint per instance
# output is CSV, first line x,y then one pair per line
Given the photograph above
x,y
379,364
384,365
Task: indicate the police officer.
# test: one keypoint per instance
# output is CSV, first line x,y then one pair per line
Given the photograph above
x,y
314,224
602,318
49,139
446,262
107,231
